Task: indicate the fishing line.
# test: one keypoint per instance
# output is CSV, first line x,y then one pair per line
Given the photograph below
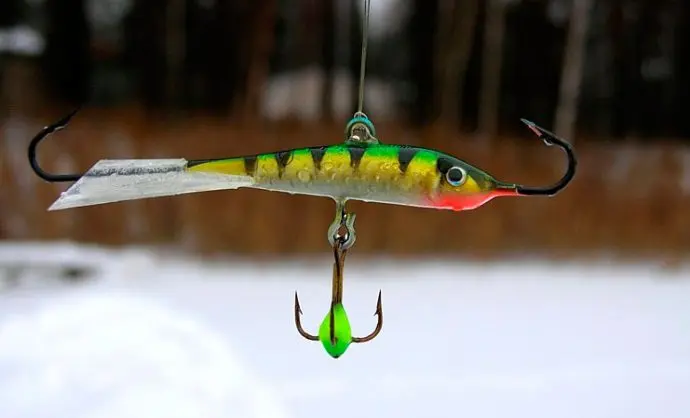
x,y
363,62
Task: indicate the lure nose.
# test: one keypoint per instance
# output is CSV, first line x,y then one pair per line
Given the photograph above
x,y
506,189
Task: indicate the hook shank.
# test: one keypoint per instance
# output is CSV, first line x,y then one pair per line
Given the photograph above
x,y
336,294
337,286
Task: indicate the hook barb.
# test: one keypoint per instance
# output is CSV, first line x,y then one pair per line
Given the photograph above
x,y
549,139
298,322
379,324
45,132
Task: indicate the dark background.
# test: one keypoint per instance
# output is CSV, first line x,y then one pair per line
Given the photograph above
x,y
187,54
611,76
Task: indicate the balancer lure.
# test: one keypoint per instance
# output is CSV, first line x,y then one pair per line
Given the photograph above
x,y
364,170
361,168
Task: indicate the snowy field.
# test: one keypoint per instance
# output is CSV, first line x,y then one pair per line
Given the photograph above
x,y
148,336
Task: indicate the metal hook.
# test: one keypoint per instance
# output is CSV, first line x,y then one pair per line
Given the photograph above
x,y
549,139
33,161
335,333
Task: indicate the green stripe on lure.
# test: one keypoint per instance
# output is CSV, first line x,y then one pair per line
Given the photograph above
x,y
361,168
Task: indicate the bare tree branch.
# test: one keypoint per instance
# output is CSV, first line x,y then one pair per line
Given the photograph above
x,y
175,50
264,12
328,58
492,62
571,75
457,60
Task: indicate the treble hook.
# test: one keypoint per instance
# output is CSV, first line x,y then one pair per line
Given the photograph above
x,y
46,132
335,332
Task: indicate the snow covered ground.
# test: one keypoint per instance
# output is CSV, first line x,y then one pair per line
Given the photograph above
x,y
153,337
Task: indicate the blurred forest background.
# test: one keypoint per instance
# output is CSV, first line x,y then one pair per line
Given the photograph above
x,y
212,78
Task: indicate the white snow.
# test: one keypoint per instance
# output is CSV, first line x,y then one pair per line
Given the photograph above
x,y
22,40
297,94
155,335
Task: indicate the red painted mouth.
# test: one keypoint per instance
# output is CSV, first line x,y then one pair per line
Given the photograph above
x,y
459,202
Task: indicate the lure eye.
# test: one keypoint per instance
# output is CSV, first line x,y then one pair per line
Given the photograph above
x,y
456,176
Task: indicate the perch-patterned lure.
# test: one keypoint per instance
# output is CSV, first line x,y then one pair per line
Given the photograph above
x,y
364,170
361,168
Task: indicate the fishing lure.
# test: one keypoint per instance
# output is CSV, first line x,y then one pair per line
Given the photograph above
x,y
360,168
364,170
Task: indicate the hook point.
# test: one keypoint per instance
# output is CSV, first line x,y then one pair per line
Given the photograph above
x,y
297,305
547,136
64,121
379,308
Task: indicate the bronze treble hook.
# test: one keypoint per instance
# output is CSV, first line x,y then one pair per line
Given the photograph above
x,y
335,332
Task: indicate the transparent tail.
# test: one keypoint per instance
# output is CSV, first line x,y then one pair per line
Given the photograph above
x,y
110,181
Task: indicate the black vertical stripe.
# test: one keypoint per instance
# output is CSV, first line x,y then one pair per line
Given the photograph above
x,y
356,154
405,155
283,158
250,165
443,164
317,155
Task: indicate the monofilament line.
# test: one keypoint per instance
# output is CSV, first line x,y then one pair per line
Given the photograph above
x,y
362,68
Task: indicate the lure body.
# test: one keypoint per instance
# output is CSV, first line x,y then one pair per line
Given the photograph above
x,y
382,173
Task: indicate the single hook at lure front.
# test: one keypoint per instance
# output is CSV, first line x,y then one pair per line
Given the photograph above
x,y
549,139
335,332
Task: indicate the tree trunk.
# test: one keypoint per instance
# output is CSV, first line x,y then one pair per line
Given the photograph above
x,y
175,48
68,51
10,90
442,43
328,58
422,39
454,69
571,74
354,52
225,47
11,12
260,54
490,92
682,71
